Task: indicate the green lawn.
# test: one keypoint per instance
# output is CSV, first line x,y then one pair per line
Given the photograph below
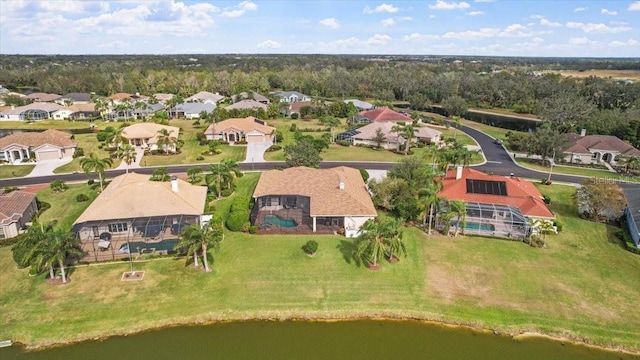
x,y
507,112
582,286
571,170
64,207
495,132
10,171
46,124
89,143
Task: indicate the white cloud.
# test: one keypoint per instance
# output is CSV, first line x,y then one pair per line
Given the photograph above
x,y
378,39
404,18
635,6
381,8
484,1
431,16
388,22
515,30
330,22
420,37
475,13
579,9
545,22
622,44
269,44
239,9
472,34
597,28
609,12
443,5
579,41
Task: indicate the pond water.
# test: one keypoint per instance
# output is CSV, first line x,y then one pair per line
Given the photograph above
x,y
367,340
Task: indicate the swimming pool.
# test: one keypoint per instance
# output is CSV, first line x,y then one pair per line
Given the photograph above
x,y
278,221
167,245
479,226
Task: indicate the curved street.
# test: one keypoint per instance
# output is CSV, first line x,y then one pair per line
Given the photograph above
x,y
499,162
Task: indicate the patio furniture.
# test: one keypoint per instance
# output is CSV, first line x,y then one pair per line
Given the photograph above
x,y
103,245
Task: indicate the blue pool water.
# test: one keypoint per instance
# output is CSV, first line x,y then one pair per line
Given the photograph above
x,y
275,220
478,226
168,245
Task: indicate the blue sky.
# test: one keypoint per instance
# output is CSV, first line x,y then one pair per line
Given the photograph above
x,y
439,27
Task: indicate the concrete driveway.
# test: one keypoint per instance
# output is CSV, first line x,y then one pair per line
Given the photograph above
x,y
46,167
255,152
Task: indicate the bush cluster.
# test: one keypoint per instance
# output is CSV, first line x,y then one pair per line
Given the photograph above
x,y
274,148
82,198
238,219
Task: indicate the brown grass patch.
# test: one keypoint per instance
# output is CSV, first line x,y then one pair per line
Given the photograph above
x,y
613,74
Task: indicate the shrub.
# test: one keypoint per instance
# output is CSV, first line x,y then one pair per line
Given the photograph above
x,y
546,199
9,189
343,142
102,136
537,242
236,220
90,182
293,128
78,153
200,158
253,229
58,186
82,198
274,148
42,207
558,225
364,173
310,247
294,116
226,192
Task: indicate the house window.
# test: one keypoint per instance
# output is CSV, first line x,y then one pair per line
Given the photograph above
x,y
577,157
118,227
594,156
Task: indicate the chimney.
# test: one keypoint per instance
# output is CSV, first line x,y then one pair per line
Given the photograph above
x,y
174,183
583,132
459,173
341,186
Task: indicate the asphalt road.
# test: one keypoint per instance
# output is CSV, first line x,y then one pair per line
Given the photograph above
x,y
499,162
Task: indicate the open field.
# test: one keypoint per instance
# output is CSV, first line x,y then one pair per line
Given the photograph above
x,y
633,75
579,287
10,171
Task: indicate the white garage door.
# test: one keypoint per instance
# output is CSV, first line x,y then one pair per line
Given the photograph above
x,y
254,139
48,155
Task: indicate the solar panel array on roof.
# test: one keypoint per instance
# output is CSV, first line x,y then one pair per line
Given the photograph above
x,y
486,187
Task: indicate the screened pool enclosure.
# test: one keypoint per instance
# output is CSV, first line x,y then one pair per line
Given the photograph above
x,y
489,220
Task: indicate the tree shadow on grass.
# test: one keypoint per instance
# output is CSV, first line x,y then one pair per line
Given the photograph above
x,y
348,250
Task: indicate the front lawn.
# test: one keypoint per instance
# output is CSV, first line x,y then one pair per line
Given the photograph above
x,y
90,144
11,171
64,207
582,286
571,170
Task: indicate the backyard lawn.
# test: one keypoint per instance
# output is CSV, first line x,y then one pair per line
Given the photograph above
x,y
10,171
580,286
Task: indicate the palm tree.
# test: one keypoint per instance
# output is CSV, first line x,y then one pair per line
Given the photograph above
x,y
194,174
93,163
61,244
215,178
370,245
395,245
166,140
231,167
117,138
458,207
407,132
456,125
128,154
196,237
630,163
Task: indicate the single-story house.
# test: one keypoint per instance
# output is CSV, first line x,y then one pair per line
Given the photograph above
x,y
632,212
589,149
42,97
75,98
291,96
366,134
119,98
50,144
17,208
500,206
163,97
205,97
247,104
83,111
146,134
134,214
31,112
305,200
247,129
379,115
359,104
63,114
190,110
253,96
294,108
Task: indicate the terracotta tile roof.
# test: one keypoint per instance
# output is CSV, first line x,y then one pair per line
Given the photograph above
x,y
385,114
148,131
54,137
162,97
322,186
247,104
43,97
13,205
586,144
521,193
134,195
243,124
120,96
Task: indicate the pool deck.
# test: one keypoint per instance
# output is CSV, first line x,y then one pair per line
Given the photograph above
x,y
93,252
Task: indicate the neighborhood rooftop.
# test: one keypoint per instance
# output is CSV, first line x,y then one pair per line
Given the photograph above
x,y
36,139
13,205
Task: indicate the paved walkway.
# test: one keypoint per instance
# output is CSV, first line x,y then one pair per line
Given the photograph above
x,y
255,152
46,167
136,163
